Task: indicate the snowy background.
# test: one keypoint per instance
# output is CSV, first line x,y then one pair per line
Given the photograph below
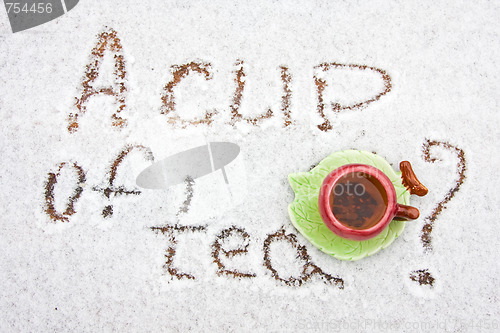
x,y
96,273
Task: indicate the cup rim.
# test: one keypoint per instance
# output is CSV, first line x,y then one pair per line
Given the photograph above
x,y
334,224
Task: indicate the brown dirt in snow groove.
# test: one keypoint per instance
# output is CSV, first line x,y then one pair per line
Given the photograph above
x,y
423,277
217,248
107,40
309,268
461,168
120,190
321,85
49,193
171,231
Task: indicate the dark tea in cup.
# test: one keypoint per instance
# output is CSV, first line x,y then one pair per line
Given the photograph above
x,y
358,200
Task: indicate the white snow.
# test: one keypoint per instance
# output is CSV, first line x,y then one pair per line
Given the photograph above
x,y
107,274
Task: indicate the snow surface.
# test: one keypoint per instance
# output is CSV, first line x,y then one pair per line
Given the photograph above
x,y
107,274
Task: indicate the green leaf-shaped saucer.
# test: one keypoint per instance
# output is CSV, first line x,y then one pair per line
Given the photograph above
x,y
305,215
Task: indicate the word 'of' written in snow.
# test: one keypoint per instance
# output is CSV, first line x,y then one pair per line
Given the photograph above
x,y
109,41
222,253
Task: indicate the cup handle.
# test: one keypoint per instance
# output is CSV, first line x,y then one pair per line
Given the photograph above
x,y
405,213
410,181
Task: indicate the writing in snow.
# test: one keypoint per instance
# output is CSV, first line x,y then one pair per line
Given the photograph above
x,y
109,41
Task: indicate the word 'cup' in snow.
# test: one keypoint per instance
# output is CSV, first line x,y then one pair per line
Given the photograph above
x,y
368,82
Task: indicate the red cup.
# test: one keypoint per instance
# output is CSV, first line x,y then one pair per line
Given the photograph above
x,y
393,210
